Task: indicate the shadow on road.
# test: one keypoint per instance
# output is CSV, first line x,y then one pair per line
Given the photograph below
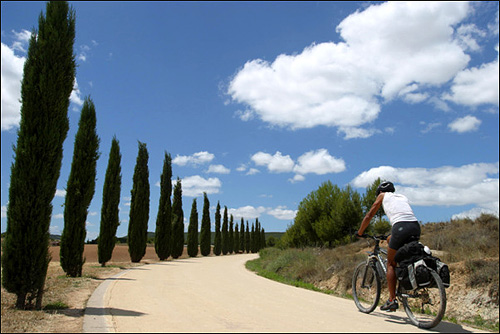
x,y
443,327
113,311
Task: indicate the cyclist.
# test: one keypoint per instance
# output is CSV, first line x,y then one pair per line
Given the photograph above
x,y
405,228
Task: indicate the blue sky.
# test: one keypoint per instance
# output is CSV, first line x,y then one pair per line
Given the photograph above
x,y
260,102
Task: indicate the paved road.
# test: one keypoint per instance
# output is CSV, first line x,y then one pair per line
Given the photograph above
x,y
218,294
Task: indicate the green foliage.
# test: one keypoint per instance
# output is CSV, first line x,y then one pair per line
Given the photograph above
x,y
192,237
225,233
242,236
163,235
381,226
328,215
236,244
230,245
177,222
139,207
247,239
218,240
110,205
79,191
205,228
49,73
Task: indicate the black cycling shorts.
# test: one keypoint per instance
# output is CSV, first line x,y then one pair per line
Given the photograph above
x,y
404,232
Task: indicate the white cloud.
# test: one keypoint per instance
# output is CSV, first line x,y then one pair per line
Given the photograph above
x,y
276,163
251,212
451,186
282,213
384,55
60,193
194,186
218,169
476,86
4,211
465,124
318,162
12,74
195,159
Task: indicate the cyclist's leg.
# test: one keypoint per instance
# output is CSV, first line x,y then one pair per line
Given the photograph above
x,y
391,273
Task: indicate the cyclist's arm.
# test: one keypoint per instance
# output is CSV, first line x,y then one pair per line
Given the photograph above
x,y
366,221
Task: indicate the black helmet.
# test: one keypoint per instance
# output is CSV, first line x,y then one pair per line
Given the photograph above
x,y
385,187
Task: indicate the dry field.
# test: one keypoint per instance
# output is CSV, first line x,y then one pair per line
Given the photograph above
x,y
65,298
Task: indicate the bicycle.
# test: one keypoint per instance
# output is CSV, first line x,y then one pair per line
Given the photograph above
x,y
425,306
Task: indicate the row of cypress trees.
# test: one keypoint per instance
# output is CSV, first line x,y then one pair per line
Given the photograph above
x,y
48,78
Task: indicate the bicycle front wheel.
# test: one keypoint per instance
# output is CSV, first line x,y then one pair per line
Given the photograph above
x,y
426,306
366,287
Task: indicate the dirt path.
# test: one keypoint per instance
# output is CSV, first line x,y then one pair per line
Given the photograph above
x,y
218,294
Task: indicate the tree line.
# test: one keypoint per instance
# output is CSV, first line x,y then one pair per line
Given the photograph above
x,y
48,79
330,215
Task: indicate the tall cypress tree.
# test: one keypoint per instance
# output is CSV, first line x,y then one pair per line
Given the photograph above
x,y
139,207
163,232
110,201
217,240
230,246
247,239
263,239
192,237
49,74
205,227
79,191
177,222
236,244
242,236
225,234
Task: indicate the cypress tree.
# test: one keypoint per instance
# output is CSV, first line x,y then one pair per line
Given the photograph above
x,y
253,239
49,74
225,234
217,241
236,244
177,222
79,191
139,207
110,201
242,236
205,227
192,237
263,239
163,232
247,239
230,246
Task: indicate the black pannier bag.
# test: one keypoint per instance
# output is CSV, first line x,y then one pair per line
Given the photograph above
x,y
412,271
440,267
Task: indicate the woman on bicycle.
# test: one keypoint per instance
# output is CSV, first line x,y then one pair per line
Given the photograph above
x,y
405,228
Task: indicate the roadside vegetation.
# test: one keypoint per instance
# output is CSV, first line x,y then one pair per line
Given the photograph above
x,y
469,247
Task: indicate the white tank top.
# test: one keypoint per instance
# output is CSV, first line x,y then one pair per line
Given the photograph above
x,y
397,208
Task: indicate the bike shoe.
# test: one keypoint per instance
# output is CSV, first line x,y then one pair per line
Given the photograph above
x,y
390,306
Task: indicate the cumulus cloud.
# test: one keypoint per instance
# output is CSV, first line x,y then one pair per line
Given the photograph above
x,y
195,159
476,184
465,124
194,186
318,162
383,56
251,212
218,169
476,86
12,74
276,163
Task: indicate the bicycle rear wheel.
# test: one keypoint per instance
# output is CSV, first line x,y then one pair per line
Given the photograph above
x,y
426,306
366,287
